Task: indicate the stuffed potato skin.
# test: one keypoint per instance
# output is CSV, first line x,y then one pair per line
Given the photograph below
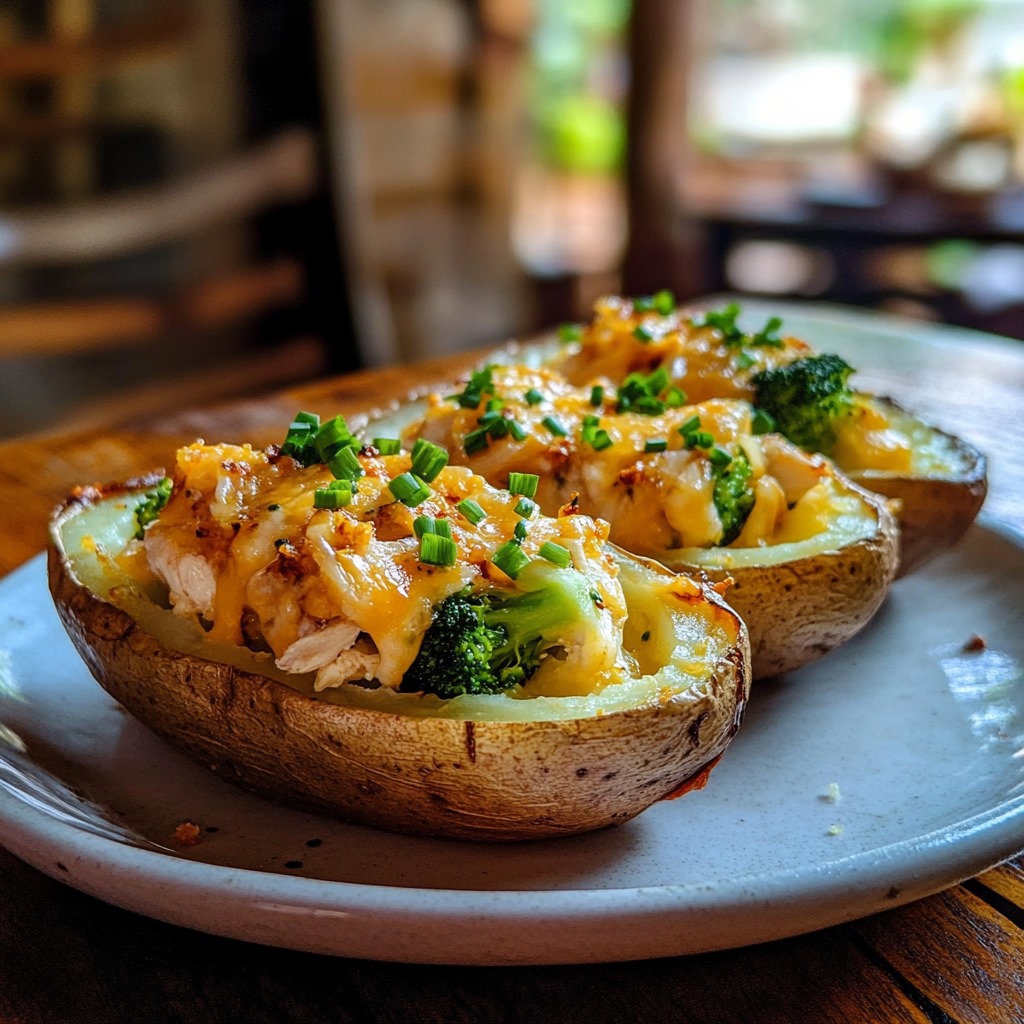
x,y
938,499
807,574
422,774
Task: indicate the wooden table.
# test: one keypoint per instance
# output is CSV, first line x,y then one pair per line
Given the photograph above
x,y
954,957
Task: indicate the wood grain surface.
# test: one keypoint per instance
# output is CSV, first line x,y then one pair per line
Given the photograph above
x,y
954,958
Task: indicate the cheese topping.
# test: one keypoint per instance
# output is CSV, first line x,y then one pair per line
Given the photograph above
x,y
652,477
706,364
344,592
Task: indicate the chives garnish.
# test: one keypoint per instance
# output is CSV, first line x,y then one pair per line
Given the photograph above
x,y
554,426
525,507
555,553
655,444
489,417
428,524
698,439
570,332
331,437
744,360
523,483
409,489
471,510
475,441
494,404
761,422
596,395
428,459
516,430
345,465
641,333
675,397
332,497
312,418
481,382
498,427
387,445
533,397
692,424
719,457
436,549
663,302
521,530
510,559
601,440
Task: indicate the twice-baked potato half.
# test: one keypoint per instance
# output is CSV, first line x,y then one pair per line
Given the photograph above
x,y
391,640
939,479
811,554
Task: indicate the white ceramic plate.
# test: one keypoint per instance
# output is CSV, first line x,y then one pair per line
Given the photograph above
x,y
923,740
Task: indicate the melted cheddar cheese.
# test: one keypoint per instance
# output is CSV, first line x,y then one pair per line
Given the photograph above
x,y
343,592
702,362
655,501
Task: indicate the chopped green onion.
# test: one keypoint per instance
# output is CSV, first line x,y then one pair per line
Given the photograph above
x,y
641,333
498,427
428,524
428,459
533,397
555,553
481,382
675,397
409,489
516,430
298,443
332,497
744,361
525,507
724,321
436,549
387,445
698,439
692,424
596,395
644,303
719,457
601,440
761,422
332,437
521,530
554,426
648,406
570,332
769,334
475,441
345,465
664,302
471,510
523,483
655,444
510,559
494,404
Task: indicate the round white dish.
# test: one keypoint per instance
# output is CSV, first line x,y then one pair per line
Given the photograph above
x,y
891,769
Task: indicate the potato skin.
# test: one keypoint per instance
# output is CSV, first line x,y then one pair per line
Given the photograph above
x,y
798,611
427,776
933,512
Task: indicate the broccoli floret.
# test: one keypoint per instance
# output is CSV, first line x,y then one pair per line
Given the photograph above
x,y
806,398
493,640
733,496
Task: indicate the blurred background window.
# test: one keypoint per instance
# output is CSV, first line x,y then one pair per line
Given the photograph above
x,y
202,200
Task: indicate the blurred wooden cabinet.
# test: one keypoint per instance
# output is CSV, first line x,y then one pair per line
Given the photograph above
x,y
134,275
